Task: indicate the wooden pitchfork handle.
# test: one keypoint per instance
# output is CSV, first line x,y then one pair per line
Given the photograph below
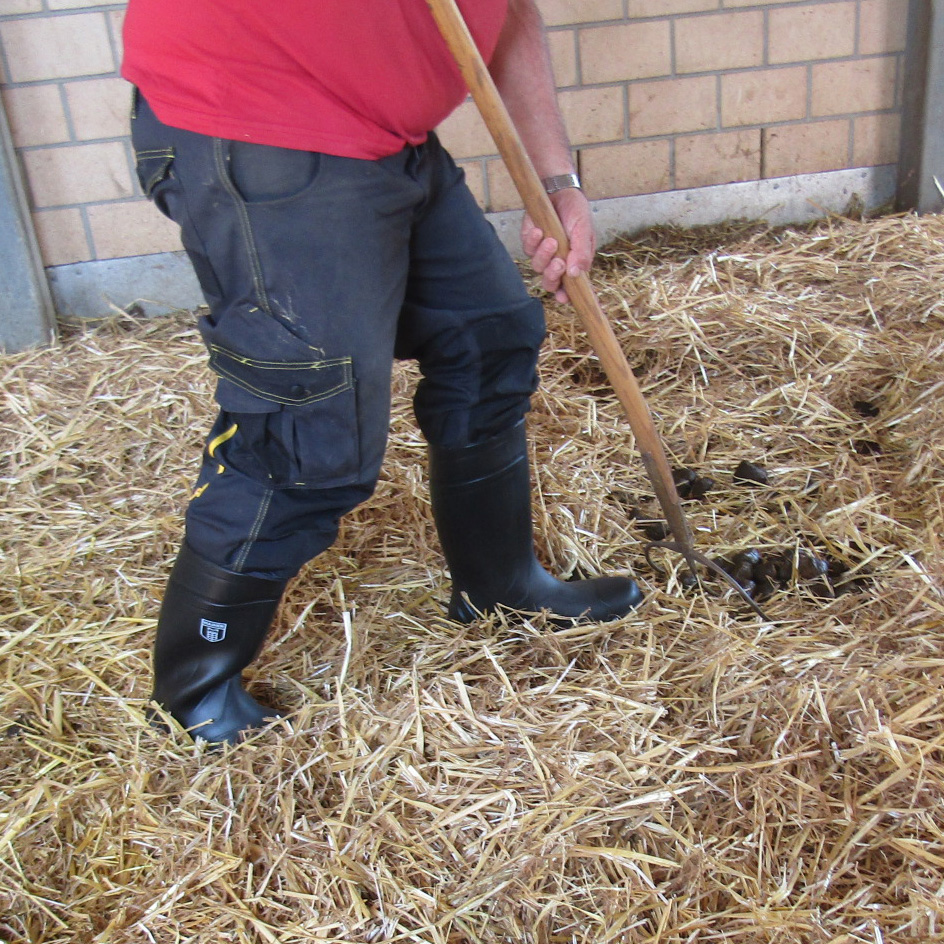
x,y
579,289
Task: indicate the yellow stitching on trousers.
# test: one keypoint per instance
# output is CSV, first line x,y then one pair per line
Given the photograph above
x,y
220,469
222,438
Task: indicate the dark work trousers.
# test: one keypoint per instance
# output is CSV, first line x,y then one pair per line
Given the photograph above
x,y
318,272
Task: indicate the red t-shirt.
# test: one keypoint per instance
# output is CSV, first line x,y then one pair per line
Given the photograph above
x,y
356,78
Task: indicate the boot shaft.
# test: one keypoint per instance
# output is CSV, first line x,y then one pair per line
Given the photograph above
x,y
481,497
212,625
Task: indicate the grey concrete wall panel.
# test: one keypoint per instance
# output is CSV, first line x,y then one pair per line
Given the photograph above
x,y
27,317
921,168
930,197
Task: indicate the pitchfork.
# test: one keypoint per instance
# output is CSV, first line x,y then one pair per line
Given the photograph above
x,y
579,290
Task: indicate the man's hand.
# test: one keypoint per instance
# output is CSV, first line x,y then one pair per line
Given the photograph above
x,y
574,211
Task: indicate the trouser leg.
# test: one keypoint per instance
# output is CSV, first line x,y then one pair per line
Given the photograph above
x,y
303,259
467,318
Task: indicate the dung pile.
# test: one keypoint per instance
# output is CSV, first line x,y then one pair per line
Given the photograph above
x,y
690,773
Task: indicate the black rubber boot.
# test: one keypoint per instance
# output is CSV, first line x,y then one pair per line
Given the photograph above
x,y
481,498
212,625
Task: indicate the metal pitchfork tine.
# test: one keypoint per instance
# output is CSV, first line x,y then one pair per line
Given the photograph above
x,y
456,34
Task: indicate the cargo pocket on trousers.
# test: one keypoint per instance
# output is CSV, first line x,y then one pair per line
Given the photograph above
x,y
298,426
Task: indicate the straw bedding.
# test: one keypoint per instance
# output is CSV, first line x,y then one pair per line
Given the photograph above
x,y
690,773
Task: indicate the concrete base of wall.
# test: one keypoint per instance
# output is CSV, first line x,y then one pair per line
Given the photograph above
x,y
150,285
163,282
779,202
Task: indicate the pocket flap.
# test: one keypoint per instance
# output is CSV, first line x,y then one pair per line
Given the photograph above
x,y
152,167
296,383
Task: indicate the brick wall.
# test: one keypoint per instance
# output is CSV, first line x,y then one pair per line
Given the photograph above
x,y
68,114
678,94
658,95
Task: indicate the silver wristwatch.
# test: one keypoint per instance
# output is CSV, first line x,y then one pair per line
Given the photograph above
x,y
560,182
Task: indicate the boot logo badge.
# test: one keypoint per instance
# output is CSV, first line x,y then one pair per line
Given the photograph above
x,y
212,632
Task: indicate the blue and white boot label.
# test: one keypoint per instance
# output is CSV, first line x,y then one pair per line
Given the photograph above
x,y
212,632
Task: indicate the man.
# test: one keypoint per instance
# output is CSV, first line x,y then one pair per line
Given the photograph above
x,y
331,234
